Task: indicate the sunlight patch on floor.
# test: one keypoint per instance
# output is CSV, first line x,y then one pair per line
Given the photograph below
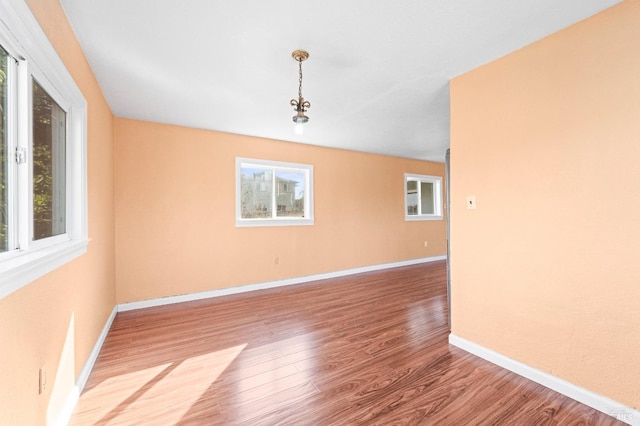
x,y
165,391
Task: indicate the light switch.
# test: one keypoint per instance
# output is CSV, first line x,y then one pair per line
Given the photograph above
x,y
471,202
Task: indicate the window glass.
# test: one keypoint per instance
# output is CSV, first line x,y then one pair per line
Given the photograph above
x,y
4,110
49,165
256,192
412,197
426,198
290,194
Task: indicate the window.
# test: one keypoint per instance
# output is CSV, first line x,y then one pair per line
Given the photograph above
x,y
43,221
423,197
4,119
48,157
272,193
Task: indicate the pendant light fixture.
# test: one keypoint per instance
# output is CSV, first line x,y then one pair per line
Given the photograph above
x,y
300,106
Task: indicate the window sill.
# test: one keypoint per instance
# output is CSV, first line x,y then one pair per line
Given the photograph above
x,y
26,267
422,217
248,223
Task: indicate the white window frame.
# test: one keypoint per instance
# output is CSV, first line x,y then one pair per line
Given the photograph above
x,y
437,197
275,166
27,260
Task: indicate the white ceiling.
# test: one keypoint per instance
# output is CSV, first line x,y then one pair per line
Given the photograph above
x,y
377,76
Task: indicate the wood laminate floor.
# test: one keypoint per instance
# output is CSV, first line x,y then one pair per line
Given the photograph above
x,y
364,349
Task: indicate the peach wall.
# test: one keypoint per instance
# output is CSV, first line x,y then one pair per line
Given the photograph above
x,y
546,270
175,213
72,303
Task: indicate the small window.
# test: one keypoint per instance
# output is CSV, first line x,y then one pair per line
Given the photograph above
x,y
272,193
423,197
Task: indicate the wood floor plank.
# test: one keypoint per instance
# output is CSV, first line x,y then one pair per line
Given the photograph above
x,y
370,348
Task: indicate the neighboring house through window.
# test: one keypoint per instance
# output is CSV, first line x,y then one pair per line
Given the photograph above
x,y
272,193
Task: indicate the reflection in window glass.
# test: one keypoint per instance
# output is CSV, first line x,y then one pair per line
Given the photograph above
x,y
49,180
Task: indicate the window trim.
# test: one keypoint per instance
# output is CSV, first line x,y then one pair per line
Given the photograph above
x,y
284,221
23,38
437,195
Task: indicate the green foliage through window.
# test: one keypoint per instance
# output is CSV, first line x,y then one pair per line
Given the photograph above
x,y
49,122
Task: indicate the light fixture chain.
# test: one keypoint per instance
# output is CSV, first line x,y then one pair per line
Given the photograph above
x,y
300,79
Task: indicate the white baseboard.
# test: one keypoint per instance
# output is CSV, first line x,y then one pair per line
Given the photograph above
x,y
72,399
265,285
600,403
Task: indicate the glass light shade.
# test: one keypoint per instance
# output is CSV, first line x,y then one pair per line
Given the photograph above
x,y
300,118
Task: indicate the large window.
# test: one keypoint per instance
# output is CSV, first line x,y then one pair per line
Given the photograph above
x,y
4,157
273,193
423,197
42,154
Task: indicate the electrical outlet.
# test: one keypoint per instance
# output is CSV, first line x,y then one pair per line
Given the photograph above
x,y
277,260
426,243
42,379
